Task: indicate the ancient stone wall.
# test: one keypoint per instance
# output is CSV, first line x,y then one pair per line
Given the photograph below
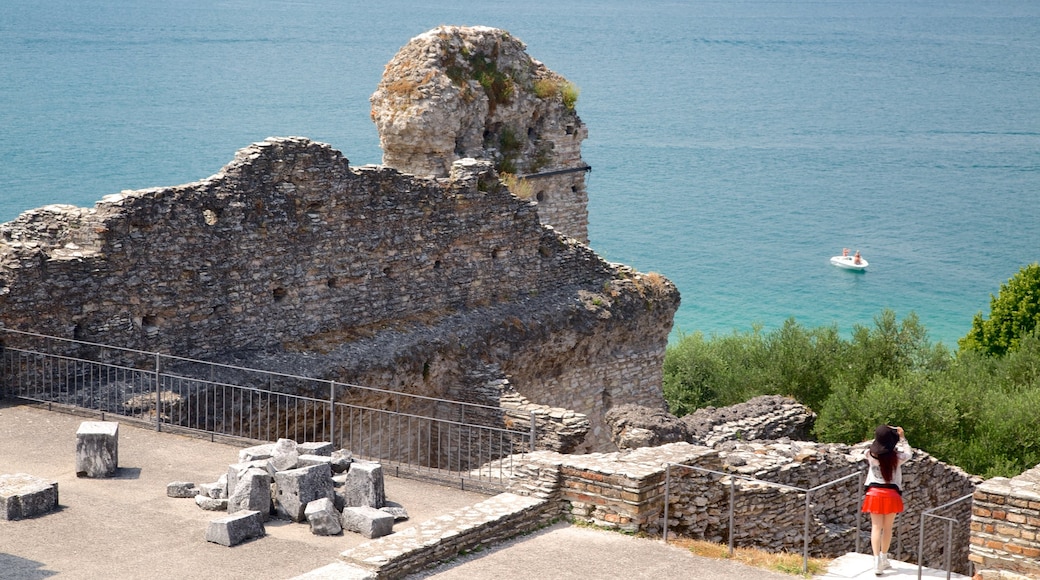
x,y
1005,526
456,92
290,260
626,490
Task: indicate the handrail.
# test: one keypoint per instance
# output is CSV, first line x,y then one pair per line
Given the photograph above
x,y
949,535
732,490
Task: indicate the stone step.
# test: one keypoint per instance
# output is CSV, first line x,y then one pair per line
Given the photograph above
x,y
854,566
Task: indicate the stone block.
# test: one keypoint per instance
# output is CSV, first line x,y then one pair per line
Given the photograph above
x,y
236,528
284,455
237,470
97,449
211,504
341,461
323,448
26,496
256,452
216,490
308,460
363,485
253,493
181,489
296,488
395,509
367,521
323,517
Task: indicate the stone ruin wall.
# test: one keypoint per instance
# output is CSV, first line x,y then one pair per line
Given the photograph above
x,y
626,491
456,92
291,260
1005,527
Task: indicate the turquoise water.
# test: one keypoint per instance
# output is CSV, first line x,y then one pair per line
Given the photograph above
x,y
735,145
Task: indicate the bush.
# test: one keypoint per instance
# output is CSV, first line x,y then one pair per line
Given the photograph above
x,y
1013,313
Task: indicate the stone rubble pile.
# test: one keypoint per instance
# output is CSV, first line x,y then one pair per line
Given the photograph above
x,y
300,482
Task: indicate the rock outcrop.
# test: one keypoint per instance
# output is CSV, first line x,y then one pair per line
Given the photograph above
x,y
765,417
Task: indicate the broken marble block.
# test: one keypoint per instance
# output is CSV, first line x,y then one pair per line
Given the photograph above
x,y
252,493
295,488
236,528
323,448
97,449
284,455
211,503
367,521
181,489
25,496
363,485
256,452
341,460
323,517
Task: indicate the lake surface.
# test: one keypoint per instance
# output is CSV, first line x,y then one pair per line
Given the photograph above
x,y
735,145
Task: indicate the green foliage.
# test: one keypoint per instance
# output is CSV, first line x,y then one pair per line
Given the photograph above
x,y
973,410
1013,313
570,93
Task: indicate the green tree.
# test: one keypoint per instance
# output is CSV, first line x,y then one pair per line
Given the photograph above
x,y
1013,313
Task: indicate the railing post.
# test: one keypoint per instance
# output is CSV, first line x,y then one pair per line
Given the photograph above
x,y
805,535
158,395
732,492
667,490
534,428
920,545
332,413
859,508
949,548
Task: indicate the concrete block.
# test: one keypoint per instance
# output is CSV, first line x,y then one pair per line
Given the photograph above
x,y
363,485
97,449
181,489
323,517
236,528
367,521
296,488
323,448
253,493
25,496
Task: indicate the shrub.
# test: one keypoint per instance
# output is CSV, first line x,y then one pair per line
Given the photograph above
x,y
1013,313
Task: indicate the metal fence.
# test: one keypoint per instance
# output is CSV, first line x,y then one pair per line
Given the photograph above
x,y
414,435
732,477
948,552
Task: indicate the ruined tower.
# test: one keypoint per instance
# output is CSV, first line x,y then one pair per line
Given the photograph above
x,y
457,92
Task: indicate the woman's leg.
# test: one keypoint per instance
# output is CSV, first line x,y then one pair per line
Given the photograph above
x,y
877,528
887,523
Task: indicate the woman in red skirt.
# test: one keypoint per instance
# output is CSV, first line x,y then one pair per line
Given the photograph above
x,y
884,497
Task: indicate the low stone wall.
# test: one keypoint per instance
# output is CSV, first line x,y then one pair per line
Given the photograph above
x,y
1005,526
627,490
486,523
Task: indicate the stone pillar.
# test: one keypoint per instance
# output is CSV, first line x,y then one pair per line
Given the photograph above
x,y
97,449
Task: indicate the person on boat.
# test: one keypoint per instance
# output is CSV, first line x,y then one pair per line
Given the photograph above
x,y
857,259
884,494
845,252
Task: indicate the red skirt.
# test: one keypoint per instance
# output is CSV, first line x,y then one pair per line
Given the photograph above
x,y
882,500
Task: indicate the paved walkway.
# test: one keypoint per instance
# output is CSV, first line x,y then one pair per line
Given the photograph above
x,y
126,527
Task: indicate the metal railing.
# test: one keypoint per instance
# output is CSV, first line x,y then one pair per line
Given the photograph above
x,y
732,494
425,436
928,513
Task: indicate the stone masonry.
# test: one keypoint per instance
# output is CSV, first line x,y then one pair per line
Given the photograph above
x,y
290,260
1005,526
456,92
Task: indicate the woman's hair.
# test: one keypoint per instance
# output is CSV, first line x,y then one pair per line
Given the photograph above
x,y
884,449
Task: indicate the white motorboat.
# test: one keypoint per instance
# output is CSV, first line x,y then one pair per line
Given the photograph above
x,y
849,262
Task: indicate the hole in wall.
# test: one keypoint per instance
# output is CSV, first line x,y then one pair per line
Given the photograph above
x,y
387,271
332,283
570,129
496,253
278,294
77,331
437,265
540,196
426,371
